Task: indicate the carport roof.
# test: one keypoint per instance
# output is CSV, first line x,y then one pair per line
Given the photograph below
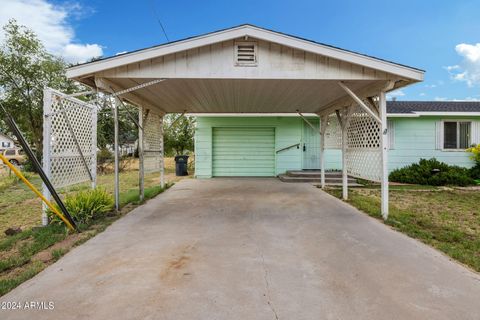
x,y
291,73
99,62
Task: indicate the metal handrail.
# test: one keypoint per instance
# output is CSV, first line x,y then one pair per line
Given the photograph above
x,y
286,148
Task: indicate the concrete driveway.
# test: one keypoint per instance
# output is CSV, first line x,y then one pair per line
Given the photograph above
x,y
250,249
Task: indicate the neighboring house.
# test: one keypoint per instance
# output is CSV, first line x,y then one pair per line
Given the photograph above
x,y
6,142
269,145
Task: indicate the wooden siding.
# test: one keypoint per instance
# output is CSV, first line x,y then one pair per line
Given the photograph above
x,y
415,138
275,61
288,131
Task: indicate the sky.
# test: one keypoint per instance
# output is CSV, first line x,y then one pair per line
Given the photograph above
x,y
441,37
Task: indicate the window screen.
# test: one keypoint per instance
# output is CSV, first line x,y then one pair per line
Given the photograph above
x,y
464,136
456,135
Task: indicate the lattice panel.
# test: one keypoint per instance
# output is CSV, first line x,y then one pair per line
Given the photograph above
x,y
62,159
364,154
333,133
153,139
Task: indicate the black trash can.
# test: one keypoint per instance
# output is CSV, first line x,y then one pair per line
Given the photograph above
x,y
181,163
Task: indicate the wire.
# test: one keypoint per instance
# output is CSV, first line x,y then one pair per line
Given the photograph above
x,y
152,4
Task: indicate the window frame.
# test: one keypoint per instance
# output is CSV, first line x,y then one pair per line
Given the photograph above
x,y
457,122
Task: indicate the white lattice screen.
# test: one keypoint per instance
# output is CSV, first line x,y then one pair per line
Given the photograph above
x,y
333,133
153,127
64,118
364,153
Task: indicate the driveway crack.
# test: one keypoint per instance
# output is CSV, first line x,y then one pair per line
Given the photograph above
x,y
267,285
265,279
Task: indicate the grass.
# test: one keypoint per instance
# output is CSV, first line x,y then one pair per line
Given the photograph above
x,y
20,207
25,254
444,218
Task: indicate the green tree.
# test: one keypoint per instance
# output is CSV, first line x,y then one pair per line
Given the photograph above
x,y
26,68
178,134
127,129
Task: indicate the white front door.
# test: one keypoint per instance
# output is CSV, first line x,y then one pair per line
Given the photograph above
x,y
311,145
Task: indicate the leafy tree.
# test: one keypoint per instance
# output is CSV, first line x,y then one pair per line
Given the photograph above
x,y
178,134
127,129
26,68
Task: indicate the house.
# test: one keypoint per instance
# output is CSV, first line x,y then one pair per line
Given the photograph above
x,y
6,142
269,145
248,69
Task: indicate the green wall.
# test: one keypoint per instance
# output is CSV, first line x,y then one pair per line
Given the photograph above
x,y
287,132
414,139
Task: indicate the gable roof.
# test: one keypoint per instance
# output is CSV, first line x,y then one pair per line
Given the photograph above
x,y
246,30
413,107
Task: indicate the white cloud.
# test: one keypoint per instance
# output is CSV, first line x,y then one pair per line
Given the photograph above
x,y
422,94
430,86
469,51
81,52
441,99
469,70
395,94
51,24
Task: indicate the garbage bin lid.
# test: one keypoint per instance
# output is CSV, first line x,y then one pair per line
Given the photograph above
x,y
181,158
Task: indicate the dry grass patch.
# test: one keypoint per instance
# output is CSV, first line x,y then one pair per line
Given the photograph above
x,y
445,218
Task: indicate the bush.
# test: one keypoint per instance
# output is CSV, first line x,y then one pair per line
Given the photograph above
x,y
432,172
86,206
475,170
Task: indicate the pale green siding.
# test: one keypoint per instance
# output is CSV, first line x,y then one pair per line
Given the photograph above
x,y
414,138
288,131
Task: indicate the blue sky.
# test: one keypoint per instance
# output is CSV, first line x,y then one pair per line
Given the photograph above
x,y
441,37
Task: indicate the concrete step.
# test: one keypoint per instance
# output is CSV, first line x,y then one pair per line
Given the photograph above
x,y
313,173
331,181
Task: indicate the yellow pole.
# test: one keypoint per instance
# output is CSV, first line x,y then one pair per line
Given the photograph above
x,y
35,190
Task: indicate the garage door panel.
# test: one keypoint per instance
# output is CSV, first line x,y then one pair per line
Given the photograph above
x,y
245,151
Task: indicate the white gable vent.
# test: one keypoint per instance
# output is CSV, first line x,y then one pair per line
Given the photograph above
x,y
245,54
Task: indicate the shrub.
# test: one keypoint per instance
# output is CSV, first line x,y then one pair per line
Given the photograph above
x,y
432,172
86,206
475,170
475,151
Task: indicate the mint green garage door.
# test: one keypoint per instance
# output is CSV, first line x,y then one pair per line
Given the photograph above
x,y
243,151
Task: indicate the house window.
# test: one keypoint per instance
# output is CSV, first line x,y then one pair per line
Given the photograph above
x,y
456,134
10,152
5,144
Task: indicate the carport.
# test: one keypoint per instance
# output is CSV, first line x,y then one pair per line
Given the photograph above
x,y
247,69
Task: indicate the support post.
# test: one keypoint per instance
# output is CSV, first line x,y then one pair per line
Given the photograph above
x,y
344,163
47,102
141,148
344,120
382,106
323,128
116,155
162,155
94,147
